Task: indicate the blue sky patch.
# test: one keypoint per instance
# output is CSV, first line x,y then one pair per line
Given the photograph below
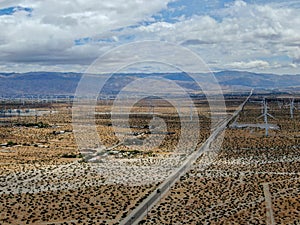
x,y
82,41
189,8
12,10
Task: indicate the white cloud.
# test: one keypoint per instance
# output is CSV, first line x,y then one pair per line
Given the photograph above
x,y
49,33
250,65
246,32
245,36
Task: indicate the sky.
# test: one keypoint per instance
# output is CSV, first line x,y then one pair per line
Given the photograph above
x,y
250,35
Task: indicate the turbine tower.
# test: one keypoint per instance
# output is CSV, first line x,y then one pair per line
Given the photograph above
x,y
280,104
191,112
265,115
292,107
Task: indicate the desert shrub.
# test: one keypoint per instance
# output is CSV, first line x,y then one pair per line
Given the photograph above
x,y
11,143
70,156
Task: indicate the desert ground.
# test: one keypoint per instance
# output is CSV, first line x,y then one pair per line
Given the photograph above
x,y
46,179
253,180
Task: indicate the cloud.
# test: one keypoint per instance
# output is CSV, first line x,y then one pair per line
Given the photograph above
x,y
252,36
49,34
194,42
250,65
244,32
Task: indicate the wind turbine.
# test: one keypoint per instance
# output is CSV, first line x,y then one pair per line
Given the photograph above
x,y
265,116
259,101
280,104
23,100
292,107
191,112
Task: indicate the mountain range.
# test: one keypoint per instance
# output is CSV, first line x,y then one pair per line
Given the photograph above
x,y
64,83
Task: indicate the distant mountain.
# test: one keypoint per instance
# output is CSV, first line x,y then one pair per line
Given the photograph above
x,y
34,83
56,83
255,80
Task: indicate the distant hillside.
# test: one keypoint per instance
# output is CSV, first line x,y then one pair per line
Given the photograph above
x,y
44,83
55,83
255,80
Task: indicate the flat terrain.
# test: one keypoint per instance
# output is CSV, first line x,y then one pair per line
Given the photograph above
x,y
45,179
254,179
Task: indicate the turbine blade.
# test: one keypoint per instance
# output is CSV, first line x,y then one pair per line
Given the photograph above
x,y
260,116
